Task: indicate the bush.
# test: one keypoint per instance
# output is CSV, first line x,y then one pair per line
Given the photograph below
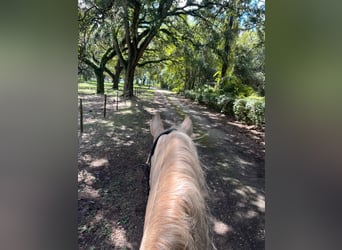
x,y
239,109
178,89
225,104
209,98
250,110
187,93
234,86
259,107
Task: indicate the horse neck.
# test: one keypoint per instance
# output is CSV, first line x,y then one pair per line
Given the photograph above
x,y
177,192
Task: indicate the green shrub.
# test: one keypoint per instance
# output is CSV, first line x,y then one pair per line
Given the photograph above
x,y
250,110
209,99
191,94
239,109
178,89
235,87
225,104
199,97
259,107
187,93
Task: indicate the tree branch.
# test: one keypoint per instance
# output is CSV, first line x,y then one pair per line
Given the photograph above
x,y
127,28
109,72
154,61
89,63
110,53
118,50
135,24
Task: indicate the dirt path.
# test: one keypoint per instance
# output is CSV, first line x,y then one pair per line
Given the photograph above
x,y
112,196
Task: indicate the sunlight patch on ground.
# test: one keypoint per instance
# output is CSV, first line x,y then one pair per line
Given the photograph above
x,y
119,239
245,191
86,177
220,227
250,189
86,157
251,194
151,111
88,193
250,214
128,143
246,215
99,163
120,141
260,202
128,103
146,130
164,91
223,164
241,192
109,124
91,121
102,121
241,161
125,112
233,181
110,134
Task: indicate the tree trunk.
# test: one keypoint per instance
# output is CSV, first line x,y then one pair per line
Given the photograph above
x,y
116,80
229,35
224,66
187,83
116,77
99,81
129,80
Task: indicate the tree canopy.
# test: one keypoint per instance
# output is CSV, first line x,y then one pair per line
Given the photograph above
x,y
181,45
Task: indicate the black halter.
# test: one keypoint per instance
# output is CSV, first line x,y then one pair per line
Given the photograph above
x,y
147,165
165,132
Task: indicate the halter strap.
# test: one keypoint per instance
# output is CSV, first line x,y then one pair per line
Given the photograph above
x,y
147,165
165,132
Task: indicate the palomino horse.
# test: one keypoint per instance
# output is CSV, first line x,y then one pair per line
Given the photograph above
x,y
176,213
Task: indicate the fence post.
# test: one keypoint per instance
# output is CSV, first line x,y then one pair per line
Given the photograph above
x,y
117,100
81,115
105,104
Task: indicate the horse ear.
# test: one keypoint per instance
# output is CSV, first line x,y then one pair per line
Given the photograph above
x,y
156,125
186,126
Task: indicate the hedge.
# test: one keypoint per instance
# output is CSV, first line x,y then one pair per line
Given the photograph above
x,y
249,110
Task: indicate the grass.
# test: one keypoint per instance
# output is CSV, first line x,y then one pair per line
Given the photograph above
x,y
90,88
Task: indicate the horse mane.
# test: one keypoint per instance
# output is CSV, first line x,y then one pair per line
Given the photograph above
x,y
176,214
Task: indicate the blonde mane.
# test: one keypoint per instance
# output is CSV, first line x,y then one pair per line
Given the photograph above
x,y
176,213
